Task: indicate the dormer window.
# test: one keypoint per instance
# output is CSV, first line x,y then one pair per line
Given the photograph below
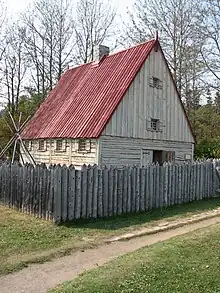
x,y
155,82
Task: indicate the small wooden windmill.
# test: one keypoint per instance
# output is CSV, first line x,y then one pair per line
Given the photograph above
x,y
16,140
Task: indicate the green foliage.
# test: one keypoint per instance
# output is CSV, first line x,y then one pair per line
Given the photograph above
x,y
208,149
206,125
28,106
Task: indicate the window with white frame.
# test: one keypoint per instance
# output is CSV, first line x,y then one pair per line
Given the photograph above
x,y
84,145
28,144
41,145
59,145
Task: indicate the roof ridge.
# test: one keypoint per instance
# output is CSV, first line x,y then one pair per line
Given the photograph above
x,y
114,53
132,47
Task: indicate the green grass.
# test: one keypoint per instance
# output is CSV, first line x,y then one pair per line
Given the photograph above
x,y
25,239
186,264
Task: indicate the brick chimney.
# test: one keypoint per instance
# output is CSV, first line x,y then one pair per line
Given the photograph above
x,y
100,51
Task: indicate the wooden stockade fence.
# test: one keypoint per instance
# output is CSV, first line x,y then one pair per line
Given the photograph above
x,y
61,193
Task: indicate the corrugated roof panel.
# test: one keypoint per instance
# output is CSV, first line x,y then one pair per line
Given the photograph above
x,y
85,98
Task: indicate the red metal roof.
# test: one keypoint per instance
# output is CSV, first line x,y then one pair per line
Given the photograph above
x,y
86,97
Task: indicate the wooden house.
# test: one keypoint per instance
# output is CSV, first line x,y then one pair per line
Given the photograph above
x,y
121,109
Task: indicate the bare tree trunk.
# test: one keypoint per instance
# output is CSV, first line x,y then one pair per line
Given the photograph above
x,y
94,24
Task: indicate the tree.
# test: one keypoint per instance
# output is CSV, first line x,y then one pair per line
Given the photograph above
x,y
14,65
206,127
2,35
209,18
176,21
217,102
209,97
50,41
93,25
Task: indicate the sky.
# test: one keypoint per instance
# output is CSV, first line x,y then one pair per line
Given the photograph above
x,y
16,6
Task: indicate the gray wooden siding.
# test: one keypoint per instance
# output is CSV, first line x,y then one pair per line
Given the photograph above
x,y
70,155
142,102
119,151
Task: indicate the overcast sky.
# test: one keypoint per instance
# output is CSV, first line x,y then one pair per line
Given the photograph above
x,y
16,6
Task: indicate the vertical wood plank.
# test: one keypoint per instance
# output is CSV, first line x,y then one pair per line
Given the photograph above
x,y
57,194
133,188
157,186
71,194
115,192
138,187
147,193
90,192
120,191
125,191
105,192
84,192
51,193
64,191
142,189
78,194
110,191
129,197
95,193
151,186
100,193
161,186
166,186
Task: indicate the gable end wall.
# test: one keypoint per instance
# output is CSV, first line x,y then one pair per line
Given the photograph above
x,y
143,102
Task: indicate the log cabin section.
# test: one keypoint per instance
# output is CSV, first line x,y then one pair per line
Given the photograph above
x,y
63,151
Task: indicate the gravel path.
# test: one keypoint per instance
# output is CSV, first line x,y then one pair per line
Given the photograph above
x,y
38,278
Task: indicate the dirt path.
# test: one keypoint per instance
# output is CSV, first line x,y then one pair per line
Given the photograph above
x,y
39,278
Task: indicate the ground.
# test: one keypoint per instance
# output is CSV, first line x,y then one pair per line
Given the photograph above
x,y
185,264
25,239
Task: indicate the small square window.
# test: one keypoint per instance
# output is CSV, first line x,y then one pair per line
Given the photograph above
x,y
82,144
27,144
155,124
41,145
59,145
155,82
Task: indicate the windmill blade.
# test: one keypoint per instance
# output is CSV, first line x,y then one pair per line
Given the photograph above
x,y
11,141
19,121
14,151
12,119
25,122
26,150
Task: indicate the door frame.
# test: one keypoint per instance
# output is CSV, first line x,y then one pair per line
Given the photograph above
x,y
143,151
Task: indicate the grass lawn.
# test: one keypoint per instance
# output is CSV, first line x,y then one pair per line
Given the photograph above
x,y
186,264
25,239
